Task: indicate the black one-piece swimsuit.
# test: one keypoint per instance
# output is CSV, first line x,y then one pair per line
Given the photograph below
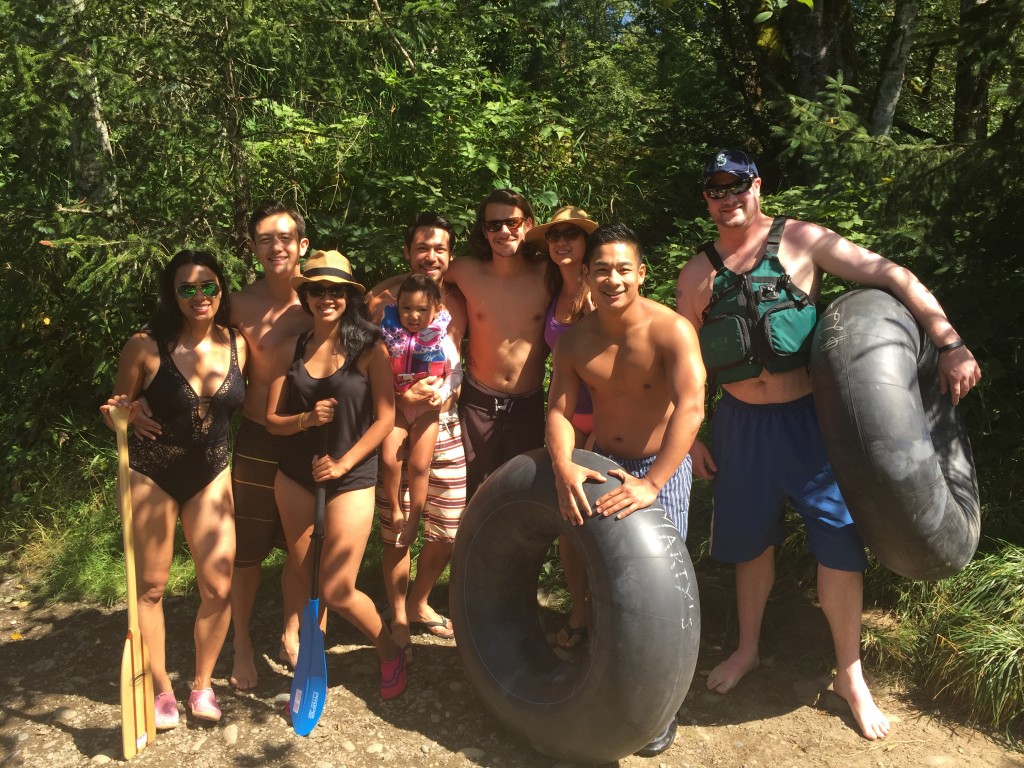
x,y
192,448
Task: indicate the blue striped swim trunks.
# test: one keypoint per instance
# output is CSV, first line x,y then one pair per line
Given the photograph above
x,y
674,496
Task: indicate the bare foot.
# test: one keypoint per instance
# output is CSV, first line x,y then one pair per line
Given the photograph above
x,y
724,677
243,673
410,530
873,724
570,636
286,655
398,523
427,615
431,622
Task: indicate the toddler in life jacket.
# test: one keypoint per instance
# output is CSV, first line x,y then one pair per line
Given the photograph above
x,y
415,331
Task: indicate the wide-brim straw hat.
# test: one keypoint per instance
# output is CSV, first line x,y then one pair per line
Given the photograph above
x,y
567,214
326,267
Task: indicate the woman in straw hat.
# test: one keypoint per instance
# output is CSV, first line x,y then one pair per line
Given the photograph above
x,y
332,394
565,239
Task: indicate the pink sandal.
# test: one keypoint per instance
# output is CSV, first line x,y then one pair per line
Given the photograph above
x,y
166,709
203,705
392,676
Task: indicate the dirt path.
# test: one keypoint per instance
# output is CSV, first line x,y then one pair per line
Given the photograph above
x,y
59,703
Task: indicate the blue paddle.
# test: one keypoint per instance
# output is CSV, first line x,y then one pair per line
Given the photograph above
x,y
309,686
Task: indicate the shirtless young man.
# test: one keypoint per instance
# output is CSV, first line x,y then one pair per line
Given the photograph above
x,y
501,406
428,249
629,350
752,475
266,312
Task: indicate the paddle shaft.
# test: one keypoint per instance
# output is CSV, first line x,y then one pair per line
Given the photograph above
x,y
124,491
317,537
309,686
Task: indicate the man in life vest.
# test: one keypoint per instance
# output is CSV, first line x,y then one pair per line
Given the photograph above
x,y
751,296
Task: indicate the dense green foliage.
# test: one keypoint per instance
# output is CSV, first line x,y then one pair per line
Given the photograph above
x,y
130,131
963,637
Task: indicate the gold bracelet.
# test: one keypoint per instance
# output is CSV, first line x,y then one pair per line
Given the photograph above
x,y
301,416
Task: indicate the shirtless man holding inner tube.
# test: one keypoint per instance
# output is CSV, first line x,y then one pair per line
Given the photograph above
x,y
635,351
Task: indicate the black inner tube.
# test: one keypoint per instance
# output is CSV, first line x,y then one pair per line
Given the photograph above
x,y
899,449
644,616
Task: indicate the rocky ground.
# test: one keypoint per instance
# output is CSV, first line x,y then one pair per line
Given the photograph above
x,y
59,668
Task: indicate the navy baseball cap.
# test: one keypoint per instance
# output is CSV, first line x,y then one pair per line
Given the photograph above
x,y
731,161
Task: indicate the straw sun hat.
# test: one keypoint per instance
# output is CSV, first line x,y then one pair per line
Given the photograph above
x,y
567,214
326,267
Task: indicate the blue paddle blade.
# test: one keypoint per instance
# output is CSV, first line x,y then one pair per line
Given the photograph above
x,y
309,687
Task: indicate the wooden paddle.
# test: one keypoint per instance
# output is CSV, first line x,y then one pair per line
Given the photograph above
x,y
138,719
309,686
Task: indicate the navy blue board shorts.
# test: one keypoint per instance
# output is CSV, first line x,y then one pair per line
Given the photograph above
x,y
768,455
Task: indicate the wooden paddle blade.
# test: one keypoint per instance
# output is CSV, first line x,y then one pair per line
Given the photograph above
x,y
309,686
138,723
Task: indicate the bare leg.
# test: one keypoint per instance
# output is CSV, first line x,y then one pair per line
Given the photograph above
x,y
841,594
754,580
347,527
293,597
154,517
422,438
245,582
396,565
347,522
576,582
297,507
209,525
391,471
430,564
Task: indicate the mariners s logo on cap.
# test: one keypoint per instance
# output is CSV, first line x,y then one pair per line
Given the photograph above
x,y
732,161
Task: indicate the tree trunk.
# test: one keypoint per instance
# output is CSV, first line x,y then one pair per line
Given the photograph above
x,y
890,81
93,155
241,195
970,102
738,15
820,43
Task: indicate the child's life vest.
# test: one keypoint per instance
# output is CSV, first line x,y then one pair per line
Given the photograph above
x,y
415,356
755,320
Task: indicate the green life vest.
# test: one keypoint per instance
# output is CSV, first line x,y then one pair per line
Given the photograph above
x,y
755,320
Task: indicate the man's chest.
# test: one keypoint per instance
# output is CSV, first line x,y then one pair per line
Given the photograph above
x,y
624,369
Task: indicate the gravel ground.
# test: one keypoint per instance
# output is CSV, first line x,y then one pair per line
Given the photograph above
x,y
59,669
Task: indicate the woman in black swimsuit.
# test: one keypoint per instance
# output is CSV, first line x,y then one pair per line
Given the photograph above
x,y
188,364
332,393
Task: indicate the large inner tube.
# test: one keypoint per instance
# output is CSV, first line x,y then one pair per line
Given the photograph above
x,y
899,450
644,614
